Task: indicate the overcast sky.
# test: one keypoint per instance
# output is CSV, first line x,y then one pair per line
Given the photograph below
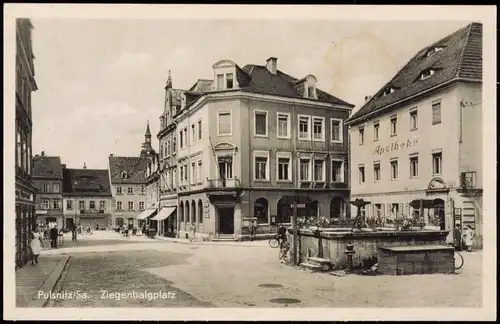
x,y
101,80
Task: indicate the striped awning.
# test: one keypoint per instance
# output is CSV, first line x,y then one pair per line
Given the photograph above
x,y
164,213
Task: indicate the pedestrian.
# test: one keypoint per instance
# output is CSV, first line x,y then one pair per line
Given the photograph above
x,y
73,232
457,235
193,232
253,229
53,237
36,245
468,236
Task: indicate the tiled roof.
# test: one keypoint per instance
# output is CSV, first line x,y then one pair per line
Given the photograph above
x,y
86,182
460,57
47,166
135,168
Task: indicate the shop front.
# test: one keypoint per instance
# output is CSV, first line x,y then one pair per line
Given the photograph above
x,y
165,221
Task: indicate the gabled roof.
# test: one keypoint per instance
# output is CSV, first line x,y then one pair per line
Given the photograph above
x,y
133,168
86,183
47,166
460,58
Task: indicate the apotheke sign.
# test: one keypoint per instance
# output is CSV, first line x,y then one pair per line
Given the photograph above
x,y
395,146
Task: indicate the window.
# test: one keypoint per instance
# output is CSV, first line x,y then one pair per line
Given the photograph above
x,y
19,148
318,128
225,164
45,204
185,133
143,189
388,91
102,205
284,169
92,204
45,187
361,174
336,130
376,128
361,135
119,205
185,172
305,169
224,123
181,172
394,125
229,81
220,81
304,127
181,140
130,190
193,172
427,74
376,171
261,166
436,113
310,92
337,171
319,170
394,169
283,125
119,190
130,205
260,120
200,171
124,175
437,162
413,166
69,204
168,148
174,146
56,188
413,119
433,51
261,211
141,205
193,133
199,130
81,204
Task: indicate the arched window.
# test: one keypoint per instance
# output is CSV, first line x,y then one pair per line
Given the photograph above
x,y
193,212
186,211
124,175
261,211
200,212
337,207
438,206
181,211
284,212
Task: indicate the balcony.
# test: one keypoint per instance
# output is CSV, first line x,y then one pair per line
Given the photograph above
x,y
223,191
223,183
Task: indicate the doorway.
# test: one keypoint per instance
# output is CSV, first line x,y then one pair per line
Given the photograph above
x,y
69,223
226,220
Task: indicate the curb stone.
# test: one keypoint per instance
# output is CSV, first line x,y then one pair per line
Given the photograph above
x,y
50,283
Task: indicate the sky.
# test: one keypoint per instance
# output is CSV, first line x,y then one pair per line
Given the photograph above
x,y
100,81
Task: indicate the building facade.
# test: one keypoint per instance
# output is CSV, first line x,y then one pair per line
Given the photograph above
x,y
25,190
249,140
48,179
416,148
87,198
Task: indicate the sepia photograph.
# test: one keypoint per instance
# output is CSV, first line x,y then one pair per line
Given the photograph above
x,y
190,164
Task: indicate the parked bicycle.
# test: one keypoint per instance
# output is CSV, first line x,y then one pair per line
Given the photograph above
x,y
279,240
459,262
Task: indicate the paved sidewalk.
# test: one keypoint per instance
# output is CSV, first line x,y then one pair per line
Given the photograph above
x,y
31,278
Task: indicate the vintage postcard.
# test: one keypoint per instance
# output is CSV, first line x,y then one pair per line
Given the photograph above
x,y
249,162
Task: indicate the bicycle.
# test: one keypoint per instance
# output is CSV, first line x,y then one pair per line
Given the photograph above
x,y
461,262
284,248
275,241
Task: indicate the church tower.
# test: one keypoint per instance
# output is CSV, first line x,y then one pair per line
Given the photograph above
x,y
147,149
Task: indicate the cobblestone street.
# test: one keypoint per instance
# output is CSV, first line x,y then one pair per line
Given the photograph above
x,y
232,276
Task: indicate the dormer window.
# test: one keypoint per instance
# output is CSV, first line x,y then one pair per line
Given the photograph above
x,y
433,51
220,81
388,91
229,81
427,74
310,92
124,175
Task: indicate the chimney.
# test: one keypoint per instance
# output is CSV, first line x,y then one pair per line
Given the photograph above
x,y
272,65
367,98
111,154
84,165
63,166
43,153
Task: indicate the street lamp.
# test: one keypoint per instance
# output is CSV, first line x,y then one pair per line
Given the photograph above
x,y
359,220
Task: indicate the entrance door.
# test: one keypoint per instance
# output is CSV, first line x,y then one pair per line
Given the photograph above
x,y
69,223
226,220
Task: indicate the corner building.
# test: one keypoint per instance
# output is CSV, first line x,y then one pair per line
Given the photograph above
x,y
246,140
416,145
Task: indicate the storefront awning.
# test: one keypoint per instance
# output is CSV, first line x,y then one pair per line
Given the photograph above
x,y
164,213
41,212
145,214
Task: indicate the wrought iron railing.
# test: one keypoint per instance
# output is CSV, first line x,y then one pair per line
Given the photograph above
x,y
223,183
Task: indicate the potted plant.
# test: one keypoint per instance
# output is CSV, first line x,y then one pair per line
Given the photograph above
x,y
433,224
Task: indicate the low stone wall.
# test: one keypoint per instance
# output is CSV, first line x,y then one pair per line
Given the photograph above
x,y
333,244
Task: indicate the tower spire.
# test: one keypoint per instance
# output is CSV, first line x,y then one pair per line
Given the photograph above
x,y
168,85
148,132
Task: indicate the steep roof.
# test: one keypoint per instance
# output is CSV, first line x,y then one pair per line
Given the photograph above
x,y
86,182
134,167
460,58
47,166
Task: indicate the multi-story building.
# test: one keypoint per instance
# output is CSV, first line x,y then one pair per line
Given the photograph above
x,y
416,145
87,197
25,191
247,141
48,179
152,183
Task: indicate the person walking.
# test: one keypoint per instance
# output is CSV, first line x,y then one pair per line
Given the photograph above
x,y
457,235
193,232
53,237
73,232
468,238
36,245
253,229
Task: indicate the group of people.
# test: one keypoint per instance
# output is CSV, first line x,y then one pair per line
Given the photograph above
x,y
464,238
